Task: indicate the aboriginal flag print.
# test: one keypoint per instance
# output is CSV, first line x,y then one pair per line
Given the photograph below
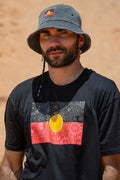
x,y
63,127
49,13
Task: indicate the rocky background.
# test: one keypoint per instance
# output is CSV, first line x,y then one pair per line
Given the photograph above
x,y
101,20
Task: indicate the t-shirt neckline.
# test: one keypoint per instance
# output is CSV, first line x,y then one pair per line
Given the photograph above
x,y
78,79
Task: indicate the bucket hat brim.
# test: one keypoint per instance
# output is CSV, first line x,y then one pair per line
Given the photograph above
x,y
34,38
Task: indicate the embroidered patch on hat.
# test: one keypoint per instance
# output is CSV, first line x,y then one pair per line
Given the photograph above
x,y
49,13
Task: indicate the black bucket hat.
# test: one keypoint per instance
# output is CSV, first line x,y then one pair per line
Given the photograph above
x,y
62,17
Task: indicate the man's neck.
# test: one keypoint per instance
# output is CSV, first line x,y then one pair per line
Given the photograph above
x,y
65,75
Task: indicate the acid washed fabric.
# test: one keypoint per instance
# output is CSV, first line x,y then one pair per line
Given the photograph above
x,y
65,134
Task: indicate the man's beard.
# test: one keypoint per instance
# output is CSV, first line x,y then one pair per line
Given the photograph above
x,y
70,56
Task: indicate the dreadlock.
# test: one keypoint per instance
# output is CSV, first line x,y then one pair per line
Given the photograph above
x,y
39,93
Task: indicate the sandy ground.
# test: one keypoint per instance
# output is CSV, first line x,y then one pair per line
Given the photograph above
x,y
101,20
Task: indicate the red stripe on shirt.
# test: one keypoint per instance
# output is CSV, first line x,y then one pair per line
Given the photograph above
x,y
71,133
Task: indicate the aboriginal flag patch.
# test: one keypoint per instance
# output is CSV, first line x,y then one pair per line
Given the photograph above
x,y
63,127
49,13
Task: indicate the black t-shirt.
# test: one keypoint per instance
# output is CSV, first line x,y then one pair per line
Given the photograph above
x,y
66,132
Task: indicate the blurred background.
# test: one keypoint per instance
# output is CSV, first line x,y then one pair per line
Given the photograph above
x,y
18,19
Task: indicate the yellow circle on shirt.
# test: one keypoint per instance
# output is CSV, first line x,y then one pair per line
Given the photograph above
x,y
56,123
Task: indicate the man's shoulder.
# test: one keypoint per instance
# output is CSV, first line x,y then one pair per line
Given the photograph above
x,y
102,86
101,82
24,88
25,84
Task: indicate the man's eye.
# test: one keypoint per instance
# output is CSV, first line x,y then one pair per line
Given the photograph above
x,y
63,33
46,35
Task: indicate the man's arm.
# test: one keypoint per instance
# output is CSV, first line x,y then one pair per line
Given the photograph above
x,y
11,166
111,167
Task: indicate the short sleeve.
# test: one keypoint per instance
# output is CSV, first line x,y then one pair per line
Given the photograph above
x,y
14,128
109,121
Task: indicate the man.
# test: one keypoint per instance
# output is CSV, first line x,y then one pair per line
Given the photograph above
x,y
67,121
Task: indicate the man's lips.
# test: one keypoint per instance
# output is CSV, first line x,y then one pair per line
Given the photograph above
x,y
56,53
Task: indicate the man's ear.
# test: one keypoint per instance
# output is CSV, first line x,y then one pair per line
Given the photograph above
x,y
81,40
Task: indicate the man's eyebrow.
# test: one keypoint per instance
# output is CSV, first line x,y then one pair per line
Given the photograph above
x,y
60,30
44,31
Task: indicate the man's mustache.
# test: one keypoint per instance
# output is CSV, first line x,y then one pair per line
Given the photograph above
x,y
55,49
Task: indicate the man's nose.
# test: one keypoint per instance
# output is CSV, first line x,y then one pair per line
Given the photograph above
x,y
54,41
